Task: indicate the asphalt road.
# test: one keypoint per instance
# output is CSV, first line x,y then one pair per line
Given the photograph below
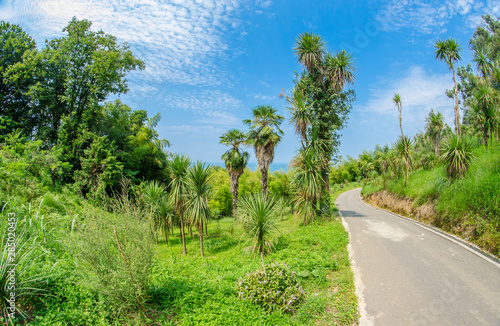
x,y
406,274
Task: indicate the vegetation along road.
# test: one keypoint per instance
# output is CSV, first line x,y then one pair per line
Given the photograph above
x,y
409,275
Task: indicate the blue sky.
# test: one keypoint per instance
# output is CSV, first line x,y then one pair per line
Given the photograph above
x,y
209,63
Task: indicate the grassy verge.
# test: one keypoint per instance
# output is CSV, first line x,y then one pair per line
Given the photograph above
x,y
191,290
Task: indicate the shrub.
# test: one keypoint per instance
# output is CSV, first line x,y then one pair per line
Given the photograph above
x,y
116,254
275,288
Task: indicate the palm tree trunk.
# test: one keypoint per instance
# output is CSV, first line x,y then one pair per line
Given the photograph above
x,y
456,107
234,191
263,178
183,236
326,195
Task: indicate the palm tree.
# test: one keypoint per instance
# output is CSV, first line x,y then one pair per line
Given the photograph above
x,y
178,169
198,184
310,50
435,125
235,160
485,106
326,79
259,222
264,134
449,51
399,106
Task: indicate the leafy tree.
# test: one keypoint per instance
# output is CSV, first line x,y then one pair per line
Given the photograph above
x,y
73,74
100,168
322,84
178,169
449,52
14,43
235,160
264,135
199,189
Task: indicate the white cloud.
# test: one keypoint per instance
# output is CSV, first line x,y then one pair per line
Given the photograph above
x,y
430,17
420,91
265,97
180,41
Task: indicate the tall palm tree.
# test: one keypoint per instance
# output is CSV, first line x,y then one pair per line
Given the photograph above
x,y
235,160
178,169
435,125
399,106
265,134
326,79
449,52
198,184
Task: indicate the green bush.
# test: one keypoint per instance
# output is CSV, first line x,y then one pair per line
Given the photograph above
x,y
116,253
275,288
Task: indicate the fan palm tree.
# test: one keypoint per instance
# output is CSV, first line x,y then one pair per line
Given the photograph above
x,y
235,160
178,169
265,134
435,125
198,185
449,52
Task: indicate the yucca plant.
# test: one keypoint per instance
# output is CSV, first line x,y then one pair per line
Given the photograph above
x,y
153,192
259,222
457,155
178,168
199,188
166,216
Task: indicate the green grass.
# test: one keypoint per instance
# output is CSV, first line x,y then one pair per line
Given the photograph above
x,y
190,290
469,206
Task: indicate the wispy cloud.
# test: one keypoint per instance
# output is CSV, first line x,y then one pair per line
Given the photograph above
x,y
429,17
420,91
180,41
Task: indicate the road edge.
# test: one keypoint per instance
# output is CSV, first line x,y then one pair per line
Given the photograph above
x,y
364,318
450,237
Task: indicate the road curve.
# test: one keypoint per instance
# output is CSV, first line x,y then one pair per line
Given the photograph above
x,y
408,275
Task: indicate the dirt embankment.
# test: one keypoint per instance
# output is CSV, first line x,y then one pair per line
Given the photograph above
x,y
471,228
